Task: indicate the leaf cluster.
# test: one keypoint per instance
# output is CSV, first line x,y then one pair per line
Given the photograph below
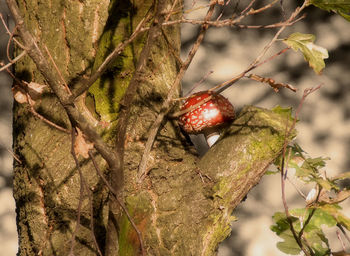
x,y
302,227
342,7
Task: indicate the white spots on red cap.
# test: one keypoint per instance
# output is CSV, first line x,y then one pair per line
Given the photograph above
x,y
214,112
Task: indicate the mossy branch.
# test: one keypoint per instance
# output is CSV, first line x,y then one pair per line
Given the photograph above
x,y
191,217
238,161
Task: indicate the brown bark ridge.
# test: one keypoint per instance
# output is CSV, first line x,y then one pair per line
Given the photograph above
x,y
184,205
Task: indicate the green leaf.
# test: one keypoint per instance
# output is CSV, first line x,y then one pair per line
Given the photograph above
x,y
313,53
312,232
342,7
282,229
289,245
318,242
334,210
319,217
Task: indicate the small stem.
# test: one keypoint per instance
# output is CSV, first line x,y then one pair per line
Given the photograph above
x,y
211,136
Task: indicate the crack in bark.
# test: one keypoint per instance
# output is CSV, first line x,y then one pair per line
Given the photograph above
x,y
65,40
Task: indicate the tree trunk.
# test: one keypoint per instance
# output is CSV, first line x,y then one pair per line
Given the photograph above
x,y
184,205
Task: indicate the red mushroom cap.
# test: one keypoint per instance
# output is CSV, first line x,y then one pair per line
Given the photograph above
x,y
215,112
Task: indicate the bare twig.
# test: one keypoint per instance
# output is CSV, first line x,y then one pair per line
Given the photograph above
x,y
297,189
81,194
172,49
13,61
341,240
199,83
227,23
165,107
181,112
92,222
171,10
296,236
33,111
14,155
83,187
248,7
114,193
57,69
252,11
223,86
276,86
344,232
272,57
11,33
291,18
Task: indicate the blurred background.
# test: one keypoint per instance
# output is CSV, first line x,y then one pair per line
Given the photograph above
x,y
324,126
323,129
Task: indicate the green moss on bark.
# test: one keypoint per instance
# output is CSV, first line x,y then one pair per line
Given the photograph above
x,y
108,90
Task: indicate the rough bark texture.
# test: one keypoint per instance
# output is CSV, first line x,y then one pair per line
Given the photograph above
x,y
47,184
177,212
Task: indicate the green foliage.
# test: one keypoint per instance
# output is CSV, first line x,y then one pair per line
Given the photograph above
x,y
313,53
302,228
342,7
312,234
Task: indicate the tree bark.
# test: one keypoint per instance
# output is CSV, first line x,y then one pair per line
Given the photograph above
x,y
184,205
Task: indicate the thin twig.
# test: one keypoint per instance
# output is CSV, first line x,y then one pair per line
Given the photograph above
x,y
252,11
171,11
223,86
283,166
227,23
11,33
182,112
83,186
165,107
297,189
172,49
199,83
341,240
81,194
13,61
248,7
272,57
14,155
58,70
114,193
33,111
92,222
291,18
301,232
344,232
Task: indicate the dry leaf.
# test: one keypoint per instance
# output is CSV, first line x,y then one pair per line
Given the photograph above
x,y
272,83
38,88
35,90
81,147
19,95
